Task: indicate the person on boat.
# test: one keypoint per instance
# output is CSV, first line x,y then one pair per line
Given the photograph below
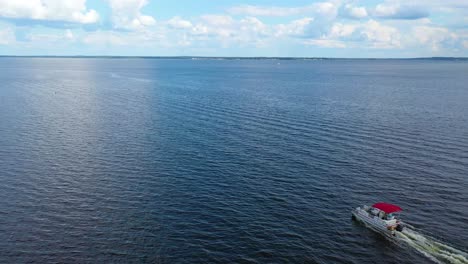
x,y
381,215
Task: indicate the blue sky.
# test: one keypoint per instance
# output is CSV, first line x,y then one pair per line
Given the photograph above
x,y
299,28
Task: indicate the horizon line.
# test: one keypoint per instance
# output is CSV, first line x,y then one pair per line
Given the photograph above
x,y
231,57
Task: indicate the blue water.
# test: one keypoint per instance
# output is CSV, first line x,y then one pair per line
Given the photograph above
x,y
222,161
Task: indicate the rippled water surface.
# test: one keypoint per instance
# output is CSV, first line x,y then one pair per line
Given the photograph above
x,y
252,161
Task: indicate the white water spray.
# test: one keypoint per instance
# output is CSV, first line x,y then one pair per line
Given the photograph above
x,y
431,248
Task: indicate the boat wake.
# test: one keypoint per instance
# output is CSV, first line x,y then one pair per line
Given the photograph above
x,y
431,248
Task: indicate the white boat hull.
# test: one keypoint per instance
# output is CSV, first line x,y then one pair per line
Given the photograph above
x,y
387,228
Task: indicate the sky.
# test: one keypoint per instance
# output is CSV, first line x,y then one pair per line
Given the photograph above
x,y
294,28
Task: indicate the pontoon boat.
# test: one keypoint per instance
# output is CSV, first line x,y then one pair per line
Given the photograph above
x,y
381,217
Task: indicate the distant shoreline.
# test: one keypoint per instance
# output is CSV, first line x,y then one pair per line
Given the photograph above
x,y
227,58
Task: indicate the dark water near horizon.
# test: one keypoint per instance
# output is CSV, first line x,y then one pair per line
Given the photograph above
x,y
212,161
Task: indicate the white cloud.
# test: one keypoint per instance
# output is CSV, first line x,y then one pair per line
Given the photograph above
x,y
251,10
295,28
380,36
126,14
339,30
220,29
394,10
435,37
57,10
316,26
254,26
329,9
220,26
249,30
325,8
389,25
200,29
219,20
356,12
253,31
436,3
179,23
370,34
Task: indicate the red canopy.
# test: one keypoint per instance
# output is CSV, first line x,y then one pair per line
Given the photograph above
x,y
387,208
